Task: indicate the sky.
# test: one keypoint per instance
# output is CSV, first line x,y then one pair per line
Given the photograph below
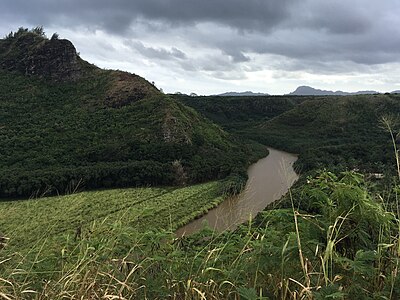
x,y
215,46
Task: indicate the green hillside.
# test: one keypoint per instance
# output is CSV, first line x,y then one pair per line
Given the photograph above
x,y
336,132
239,114
84,127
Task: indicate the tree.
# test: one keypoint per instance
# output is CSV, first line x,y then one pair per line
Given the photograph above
x,y
39,30
55,36
9,36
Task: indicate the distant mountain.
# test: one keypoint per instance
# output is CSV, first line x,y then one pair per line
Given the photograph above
x,y
237,94
309,91
396,92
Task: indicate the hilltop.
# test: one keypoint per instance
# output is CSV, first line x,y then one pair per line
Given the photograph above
x,y
32,53
84,127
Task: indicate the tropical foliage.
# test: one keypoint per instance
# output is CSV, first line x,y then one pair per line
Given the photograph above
x,y
336,241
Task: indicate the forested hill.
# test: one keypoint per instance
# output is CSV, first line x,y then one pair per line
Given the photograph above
x,y
239,113
345,132
336,132
66,124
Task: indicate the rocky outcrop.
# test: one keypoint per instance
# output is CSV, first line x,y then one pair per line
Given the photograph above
x,y
56,59
32,54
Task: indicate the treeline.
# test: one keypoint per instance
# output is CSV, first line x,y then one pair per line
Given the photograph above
x,y
41,182
65,180
162,170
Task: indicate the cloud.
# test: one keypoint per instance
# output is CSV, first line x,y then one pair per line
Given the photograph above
x,y
118,15
226,40
156,53
334,30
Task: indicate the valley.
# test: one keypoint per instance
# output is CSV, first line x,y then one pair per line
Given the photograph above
x,y
106,184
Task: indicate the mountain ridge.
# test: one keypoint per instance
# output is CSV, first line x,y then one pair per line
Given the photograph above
x,y
310,91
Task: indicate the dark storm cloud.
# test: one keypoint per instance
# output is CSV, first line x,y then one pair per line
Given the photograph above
x,y
336,17
311,34
118,15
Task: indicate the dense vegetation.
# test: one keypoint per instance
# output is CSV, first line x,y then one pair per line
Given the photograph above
x,y
335,132
344,246
100,129
240,114
52,219
52,226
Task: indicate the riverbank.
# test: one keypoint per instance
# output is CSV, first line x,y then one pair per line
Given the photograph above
x,y
269,179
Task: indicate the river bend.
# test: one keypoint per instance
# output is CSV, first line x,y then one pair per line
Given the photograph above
x,y
269,179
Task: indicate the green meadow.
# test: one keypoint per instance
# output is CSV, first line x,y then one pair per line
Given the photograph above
x,y
53,220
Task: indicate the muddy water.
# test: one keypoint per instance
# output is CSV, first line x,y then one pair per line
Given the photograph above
x,y
269,179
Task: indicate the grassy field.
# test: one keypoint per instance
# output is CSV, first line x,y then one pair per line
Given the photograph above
x,y
48,224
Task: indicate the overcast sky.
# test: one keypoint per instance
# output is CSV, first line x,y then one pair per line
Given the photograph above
x,y
214,46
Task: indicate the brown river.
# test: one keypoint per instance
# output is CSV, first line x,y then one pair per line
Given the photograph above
x,y
269,179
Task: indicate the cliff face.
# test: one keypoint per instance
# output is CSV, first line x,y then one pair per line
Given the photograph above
x,y
56,59
32,54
